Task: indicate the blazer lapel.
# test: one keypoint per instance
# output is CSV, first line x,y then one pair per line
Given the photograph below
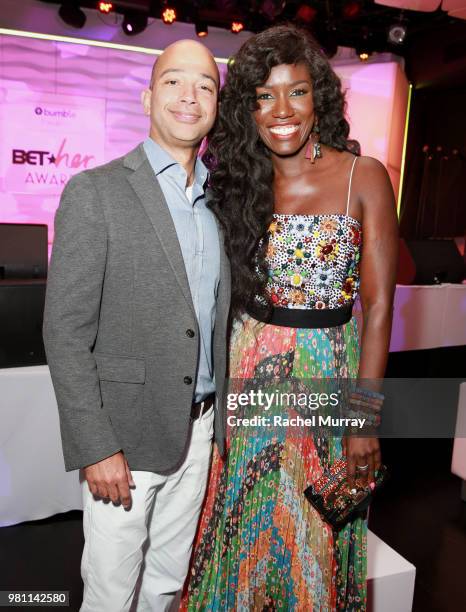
x,y
147,188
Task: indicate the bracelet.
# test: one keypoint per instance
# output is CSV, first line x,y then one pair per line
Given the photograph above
x,y
368,393
370,406
365,404
369,419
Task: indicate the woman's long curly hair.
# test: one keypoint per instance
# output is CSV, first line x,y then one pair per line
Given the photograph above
x,y
241,180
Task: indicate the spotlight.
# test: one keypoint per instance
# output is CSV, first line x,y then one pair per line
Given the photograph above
x,y
366,46
363,55
237,27
351,9
72,15
105,7
134,23
306,13
202,29
271,9
397,33
168,15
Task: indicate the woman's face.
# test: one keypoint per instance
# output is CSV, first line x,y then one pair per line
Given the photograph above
x,y
285,115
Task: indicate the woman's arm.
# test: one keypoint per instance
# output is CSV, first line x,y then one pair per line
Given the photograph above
x,y
378,268
378,265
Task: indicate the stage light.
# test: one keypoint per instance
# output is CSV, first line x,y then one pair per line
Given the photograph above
x,y
105,7
134,23
202,29
397,33
237,27
271,9
351,9
306,13
365,47
168,15
72,15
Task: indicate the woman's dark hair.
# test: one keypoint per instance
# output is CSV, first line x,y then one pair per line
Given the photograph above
x,y
241,179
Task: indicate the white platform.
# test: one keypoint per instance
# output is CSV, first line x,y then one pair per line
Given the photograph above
x,y
390,578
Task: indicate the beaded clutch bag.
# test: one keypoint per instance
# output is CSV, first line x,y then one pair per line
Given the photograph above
x,y
332,497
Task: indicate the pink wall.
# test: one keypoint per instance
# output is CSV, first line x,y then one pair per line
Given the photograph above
x,y
377,96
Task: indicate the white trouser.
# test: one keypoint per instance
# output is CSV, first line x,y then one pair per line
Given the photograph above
x,y
161,522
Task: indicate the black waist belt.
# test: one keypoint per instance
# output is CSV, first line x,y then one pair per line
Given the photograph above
x,y
307,318
202,407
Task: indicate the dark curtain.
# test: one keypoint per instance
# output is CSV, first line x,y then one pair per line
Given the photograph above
x,y
434,192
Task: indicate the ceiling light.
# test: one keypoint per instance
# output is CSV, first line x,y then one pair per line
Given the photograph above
x,y
134,23
271,9
105,7
72,15
202,29
237,27
306,13
397,33
351,9
365,47
168,15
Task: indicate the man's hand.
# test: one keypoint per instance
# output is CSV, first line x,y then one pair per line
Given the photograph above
x,y
111,479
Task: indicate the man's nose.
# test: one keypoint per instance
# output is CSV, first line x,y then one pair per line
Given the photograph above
x,y
189,95
282,107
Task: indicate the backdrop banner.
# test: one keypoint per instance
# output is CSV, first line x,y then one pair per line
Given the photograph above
x,y
47,138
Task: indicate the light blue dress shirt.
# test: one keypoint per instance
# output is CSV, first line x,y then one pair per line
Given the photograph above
x,y
197,233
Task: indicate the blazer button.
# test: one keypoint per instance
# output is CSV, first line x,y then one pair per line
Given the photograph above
x,y
190,333
187,380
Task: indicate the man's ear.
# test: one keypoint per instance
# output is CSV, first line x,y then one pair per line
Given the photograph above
x,y
146,96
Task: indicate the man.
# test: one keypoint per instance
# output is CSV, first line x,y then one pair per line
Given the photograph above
x,y
138,283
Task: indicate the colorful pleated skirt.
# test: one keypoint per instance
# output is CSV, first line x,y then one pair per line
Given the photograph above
x,y
260,545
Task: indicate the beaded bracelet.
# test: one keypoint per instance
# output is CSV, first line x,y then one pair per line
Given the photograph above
x,y
366,404
368,393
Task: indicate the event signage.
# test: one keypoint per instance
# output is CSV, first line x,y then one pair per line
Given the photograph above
x,y
47,138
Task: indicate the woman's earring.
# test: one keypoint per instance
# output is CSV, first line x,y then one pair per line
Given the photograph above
x,y
314,149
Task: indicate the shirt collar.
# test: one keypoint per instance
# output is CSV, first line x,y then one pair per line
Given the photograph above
x,y
160,161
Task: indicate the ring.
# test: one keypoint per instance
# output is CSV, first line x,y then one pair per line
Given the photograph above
x,y
362,468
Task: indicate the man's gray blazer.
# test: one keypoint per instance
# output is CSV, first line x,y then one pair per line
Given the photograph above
x,y
119,319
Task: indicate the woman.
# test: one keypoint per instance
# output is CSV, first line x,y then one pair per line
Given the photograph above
x,y
296,207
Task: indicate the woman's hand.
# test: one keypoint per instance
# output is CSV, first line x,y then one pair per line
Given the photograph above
x,y
362,452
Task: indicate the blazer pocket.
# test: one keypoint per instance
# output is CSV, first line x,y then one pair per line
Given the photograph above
x,y
122,369
122,388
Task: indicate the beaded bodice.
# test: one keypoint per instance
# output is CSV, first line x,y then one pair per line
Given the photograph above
x,y
313,260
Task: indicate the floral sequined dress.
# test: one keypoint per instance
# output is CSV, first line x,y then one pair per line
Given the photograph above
x,y
313,260
260,545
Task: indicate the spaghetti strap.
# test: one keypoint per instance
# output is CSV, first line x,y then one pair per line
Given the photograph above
x,y
349,187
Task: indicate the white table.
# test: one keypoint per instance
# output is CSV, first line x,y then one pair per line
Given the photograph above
x,y
426,316
33,481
